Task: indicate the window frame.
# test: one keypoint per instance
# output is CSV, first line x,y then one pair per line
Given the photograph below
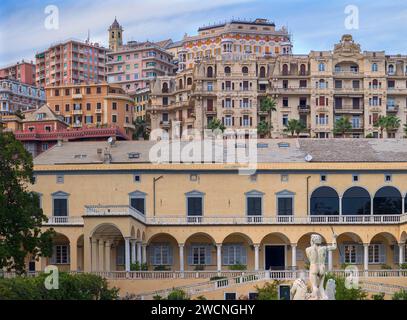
x,y
285,194
195,194
60,195
138,195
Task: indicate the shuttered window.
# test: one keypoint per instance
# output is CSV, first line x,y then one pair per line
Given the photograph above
x,y
233,254
285,206
138,204
60,254
161,255
254,206
60,207
194,206
200,254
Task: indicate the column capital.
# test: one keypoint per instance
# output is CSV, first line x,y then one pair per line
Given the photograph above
x,y
366,244
293,244
181,245
401,244
219,245
256,245
108,243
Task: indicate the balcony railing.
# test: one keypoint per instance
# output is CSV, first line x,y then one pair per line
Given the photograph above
x,y
65,221
101,211
243,219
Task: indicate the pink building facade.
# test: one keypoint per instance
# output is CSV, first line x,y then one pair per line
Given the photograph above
x,y
23,72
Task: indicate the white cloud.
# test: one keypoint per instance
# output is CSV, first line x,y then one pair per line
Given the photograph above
x,y
156,19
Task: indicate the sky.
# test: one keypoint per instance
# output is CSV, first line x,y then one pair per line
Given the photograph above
x,y
314,24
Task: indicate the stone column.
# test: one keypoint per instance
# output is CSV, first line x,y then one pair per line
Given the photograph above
x,y
108,245
133,251
401,253
144,253
127,253
101,255
366,256
139,252
329,260
340,206
371,206
219,256
181,257
256,257
93,249
294,256
73,256
403,205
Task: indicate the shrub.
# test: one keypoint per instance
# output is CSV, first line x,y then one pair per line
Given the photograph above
x,y
268,292
401,295
157,297
177,294
137,267
71,287
199,268
200,298
343,293
162,268
385,267
403,266
238,267
378,296
369,136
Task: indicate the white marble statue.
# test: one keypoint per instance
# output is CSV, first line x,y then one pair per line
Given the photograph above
x,y
316,254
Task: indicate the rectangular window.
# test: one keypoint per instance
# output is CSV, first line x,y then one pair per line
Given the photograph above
x,y
60,179
60,207
114,106
350,253
285,206
234,254
194,206
200,255
375,253
60,254
254,207
114,118
161,255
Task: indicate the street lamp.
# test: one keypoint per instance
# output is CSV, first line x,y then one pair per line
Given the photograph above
x,y
154,181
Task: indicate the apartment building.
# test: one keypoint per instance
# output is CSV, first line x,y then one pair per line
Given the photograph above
x,y
135,64
41,129
18,96
23,72
71,61
262,221
92,105
317,89
259,37
141,103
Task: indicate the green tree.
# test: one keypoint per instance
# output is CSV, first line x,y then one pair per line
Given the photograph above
x,y
264,128
342,126
177,294
268,292
392,123
343,293
294,126
21,217
140,129
216,124
401,295
268,105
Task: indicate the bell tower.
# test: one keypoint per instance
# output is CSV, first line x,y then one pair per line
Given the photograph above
x,y
115,35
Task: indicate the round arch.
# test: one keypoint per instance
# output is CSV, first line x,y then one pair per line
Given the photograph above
x,y
106,230
356,201
236,235
324,202
387,201
390,238
200,235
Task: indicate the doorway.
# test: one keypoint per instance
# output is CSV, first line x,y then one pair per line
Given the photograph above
x,y
274,257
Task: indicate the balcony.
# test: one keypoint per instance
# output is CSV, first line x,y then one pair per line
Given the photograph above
x,y
210,111
64,221
165,124
304,109
392,108
77,111
322,109
77,96
98,111
348,109
347,74
103,211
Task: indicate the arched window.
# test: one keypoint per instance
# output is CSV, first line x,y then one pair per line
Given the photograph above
x,y
285,69
262,72
180,83
390,69
387,201
375,83
356,201
228,70
209,72
245,70
302,70
165,87
189,81
374,67
321,67
324,202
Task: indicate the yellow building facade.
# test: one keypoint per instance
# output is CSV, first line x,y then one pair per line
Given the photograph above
x,y
112,207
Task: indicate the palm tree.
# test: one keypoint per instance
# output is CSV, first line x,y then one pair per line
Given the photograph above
x,y
294,126
342,126
140,129
268,105
264,128
381,124
216,124
392,123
